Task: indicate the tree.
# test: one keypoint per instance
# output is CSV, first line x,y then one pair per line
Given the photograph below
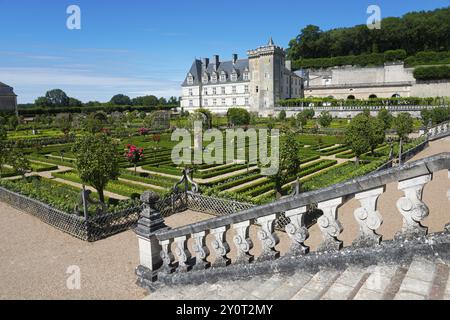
x,y
238,117
134,155
41,102
404,125
386,118
325,119
357,135
282,115
121,100
3,156
19,162
377,134
75,102
13,122
3,132
302,120
97,161
64,122
93,124
57,98
289,162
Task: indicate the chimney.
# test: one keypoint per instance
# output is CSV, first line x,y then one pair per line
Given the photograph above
x,y
288,65
216,62
205,62
235,57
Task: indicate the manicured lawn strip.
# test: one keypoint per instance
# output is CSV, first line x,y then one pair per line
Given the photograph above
x,y
260,189
236,182
219,172
164,182
163,169
40,167
8,172
118,187
316,166
51,160
334,151
309,159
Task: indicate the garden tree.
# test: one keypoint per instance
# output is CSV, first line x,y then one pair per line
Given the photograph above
x,y
301,120
146,101
325,119
377,134
3,132
57,98
366,111
282,115
75,103
162,101
404,125
97,161
385,117
131,116
289,162
440,114
426,116
13,122
4,152
41,102
357,135
92,124
238,117
270,122
64,122
173,100
203,115
18,161
309,113
93,104
121,100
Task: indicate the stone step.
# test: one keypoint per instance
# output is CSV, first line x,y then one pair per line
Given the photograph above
x,y
379,283
291,286
348,284
418,280
318,285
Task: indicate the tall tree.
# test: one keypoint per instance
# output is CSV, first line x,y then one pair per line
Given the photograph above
x,y
357,135
97,161
121,100
57,98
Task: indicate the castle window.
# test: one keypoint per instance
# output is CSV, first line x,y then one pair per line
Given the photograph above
x,y
224,102
223,77
205,90
205,78
214,102
246,89
234,102
234,89
372,96
246,78
214,77
214,91
351,97
205,102
190,79
257,89
223,90
234,76
246,101
191,103
190,92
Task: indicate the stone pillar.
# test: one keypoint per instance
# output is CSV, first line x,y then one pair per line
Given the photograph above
x,y
149,223
411,206
329,225
368,218
297,231
243,242
268,238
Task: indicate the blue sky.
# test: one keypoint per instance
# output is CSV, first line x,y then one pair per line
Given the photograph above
x,y
139,47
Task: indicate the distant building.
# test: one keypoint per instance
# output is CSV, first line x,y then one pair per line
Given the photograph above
x,y
350,82
256,83
8,99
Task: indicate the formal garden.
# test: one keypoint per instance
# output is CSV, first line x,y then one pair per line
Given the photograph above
x,y
119,155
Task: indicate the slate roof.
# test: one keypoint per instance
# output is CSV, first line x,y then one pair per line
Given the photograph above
x,y
6,90
197,70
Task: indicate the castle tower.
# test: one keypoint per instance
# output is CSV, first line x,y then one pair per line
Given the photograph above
x,y
266,65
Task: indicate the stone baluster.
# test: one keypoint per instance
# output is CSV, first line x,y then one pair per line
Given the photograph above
x,y
297,231
243,243
183,254
329,225
167,257
201,251
268,238
150,221
220,247
368,218
411,206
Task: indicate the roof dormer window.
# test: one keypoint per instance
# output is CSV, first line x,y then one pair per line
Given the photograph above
x,y
223,76
214,77
246,76
205,78
190,79
234,76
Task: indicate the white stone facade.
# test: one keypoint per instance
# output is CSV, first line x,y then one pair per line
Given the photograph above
x,y
255,84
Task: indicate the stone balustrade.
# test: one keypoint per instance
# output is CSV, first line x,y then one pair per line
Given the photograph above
x,y
439,131
156,246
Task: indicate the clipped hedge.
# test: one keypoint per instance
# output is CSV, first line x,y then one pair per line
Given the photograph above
x,y
432,73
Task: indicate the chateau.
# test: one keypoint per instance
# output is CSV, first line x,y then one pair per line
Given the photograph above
x,y
255,83
8,99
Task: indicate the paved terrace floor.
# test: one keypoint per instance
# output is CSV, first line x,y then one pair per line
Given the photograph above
x,y
35,256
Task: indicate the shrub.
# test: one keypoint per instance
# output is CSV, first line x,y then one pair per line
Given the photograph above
x,y
432,73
